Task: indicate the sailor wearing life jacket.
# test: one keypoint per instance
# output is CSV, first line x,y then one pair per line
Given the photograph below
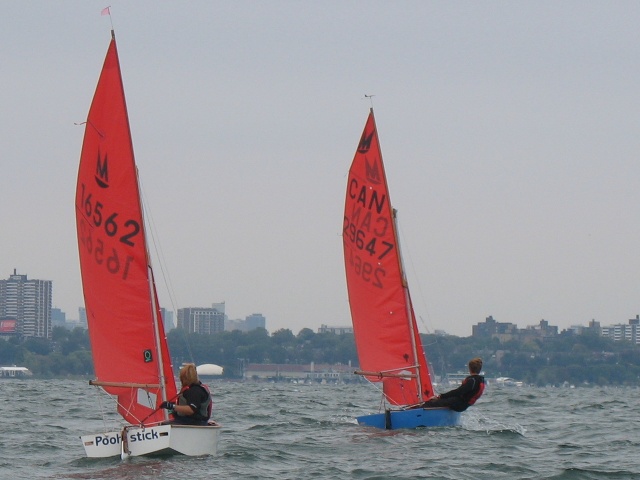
x,y
194,401
465,395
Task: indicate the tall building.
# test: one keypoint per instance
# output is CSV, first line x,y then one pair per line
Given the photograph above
x,y
58,318
205,321
167,319
219,306
82,317
492,329
29,303
629,332
255,320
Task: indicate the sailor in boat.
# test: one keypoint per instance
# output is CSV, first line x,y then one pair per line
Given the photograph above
x,y
465,395
194,401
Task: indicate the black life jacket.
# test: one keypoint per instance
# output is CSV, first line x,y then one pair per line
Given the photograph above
x,y
204,413
478,390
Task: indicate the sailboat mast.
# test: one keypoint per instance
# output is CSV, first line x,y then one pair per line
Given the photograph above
x,y
156,330
410,315
154,310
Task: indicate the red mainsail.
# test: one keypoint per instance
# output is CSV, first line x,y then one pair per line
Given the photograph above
x,y
130,353
387,338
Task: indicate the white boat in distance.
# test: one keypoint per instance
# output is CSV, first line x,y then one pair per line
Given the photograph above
x,y
15,372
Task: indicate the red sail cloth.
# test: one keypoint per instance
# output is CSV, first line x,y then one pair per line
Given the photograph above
x,y
386,334
120,299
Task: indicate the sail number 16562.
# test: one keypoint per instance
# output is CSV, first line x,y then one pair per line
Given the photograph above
x,y
96,221
94,211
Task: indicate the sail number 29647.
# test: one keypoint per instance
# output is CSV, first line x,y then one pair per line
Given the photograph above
x,y
376,249
96,220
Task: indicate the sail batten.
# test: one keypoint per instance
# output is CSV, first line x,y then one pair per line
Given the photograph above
x,y
385,329
123,315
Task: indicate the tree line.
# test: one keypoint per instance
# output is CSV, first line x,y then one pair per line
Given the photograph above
x,y
586,359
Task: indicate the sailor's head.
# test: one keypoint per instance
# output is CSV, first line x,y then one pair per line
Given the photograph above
x,y
475,365
188,375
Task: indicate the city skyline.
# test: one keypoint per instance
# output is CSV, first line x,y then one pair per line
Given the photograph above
x,y
508,133
168,315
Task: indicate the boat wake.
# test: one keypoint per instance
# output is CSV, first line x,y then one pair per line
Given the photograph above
x,y
474,421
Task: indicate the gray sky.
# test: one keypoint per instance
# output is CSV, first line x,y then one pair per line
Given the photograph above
x,y
509,132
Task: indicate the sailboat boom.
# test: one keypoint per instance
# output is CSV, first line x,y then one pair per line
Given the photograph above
x,y
385,374
98,383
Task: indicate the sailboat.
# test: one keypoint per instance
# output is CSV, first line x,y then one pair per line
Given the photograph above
x,y
388,342
130,352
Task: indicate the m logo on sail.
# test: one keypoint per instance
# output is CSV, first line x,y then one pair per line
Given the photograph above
x,y
365,142
372,172
102,172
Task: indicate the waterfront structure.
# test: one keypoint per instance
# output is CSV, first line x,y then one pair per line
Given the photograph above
x,y
205,321
28,302
337,330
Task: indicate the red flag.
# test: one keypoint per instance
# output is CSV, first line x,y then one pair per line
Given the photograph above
x,y
106,11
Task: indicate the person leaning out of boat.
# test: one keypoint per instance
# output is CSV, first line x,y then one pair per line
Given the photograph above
x,y
194,401
465,395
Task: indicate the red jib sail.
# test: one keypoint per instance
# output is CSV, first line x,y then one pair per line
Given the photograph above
x,y
130,353
387,339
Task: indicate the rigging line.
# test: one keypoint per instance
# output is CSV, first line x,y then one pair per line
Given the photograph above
x,y
166,277
102,408
378,386
407,249
157,247
128,409
421,294
88,122
113,398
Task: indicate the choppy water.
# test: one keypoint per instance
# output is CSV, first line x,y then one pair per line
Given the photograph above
x,y
289,431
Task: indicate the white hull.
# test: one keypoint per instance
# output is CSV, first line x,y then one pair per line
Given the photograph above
x,y
133,441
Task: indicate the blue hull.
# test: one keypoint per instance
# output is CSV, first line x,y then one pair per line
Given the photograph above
x,y
414,418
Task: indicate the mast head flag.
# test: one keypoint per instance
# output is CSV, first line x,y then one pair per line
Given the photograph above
x,y
107,11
